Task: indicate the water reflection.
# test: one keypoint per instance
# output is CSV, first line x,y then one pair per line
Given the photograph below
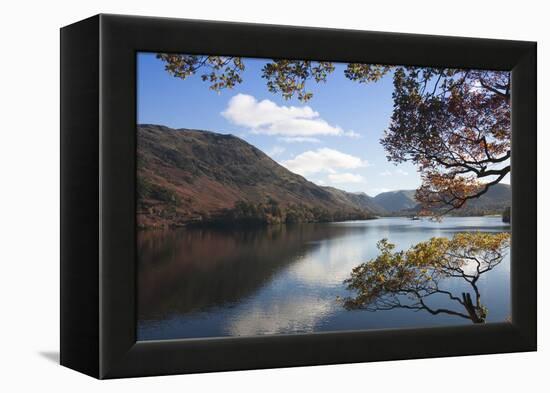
x,y
189,270
279,279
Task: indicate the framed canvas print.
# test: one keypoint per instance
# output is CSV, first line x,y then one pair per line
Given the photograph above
x,y
239,196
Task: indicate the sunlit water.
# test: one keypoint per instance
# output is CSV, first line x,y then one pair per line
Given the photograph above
x,y
286,279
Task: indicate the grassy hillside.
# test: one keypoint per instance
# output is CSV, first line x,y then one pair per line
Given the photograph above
x,y
189,176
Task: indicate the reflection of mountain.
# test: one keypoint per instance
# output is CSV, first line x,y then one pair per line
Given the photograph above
x,y
186,174
494,200
205,282
193,269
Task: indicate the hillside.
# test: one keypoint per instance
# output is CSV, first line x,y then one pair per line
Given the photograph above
x,y
393,201
200,176
496,199
359,199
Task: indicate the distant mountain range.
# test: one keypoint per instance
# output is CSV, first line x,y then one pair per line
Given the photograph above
x,y
495,200
394,201
191,176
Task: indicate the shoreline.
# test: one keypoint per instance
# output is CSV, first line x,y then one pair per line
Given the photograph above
x,y
244,225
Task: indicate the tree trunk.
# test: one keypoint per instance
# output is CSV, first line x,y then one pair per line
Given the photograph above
x,y
470,308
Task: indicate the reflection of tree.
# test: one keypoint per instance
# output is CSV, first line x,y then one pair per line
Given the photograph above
x,y
409,279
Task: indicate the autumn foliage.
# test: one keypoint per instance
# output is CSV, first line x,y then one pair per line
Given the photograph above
x,y
455,126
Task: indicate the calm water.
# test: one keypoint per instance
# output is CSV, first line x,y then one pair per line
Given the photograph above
x,y
286,279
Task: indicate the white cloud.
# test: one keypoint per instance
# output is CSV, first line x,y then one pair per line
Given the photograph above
x,y
323,160
352,134
298,139
339,178
275,151
266,117
396,172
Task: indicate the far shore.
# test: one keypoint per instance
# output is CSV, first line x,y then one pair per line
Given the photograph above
x,y
250,225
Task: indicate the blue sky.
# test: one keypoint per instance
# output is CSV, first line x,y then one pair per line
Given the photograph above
x,y
333,139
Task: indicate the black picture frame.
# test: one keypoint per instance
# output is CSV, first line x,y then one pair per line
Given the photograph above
x,y
98,223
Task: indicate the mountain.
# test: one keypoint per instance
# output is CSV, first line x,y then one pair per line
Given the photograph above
x,y
496,199
394,201
359,199
196,176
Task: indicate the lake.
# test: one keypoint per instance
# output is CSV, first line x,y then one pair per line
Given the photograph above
x,y
196,282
